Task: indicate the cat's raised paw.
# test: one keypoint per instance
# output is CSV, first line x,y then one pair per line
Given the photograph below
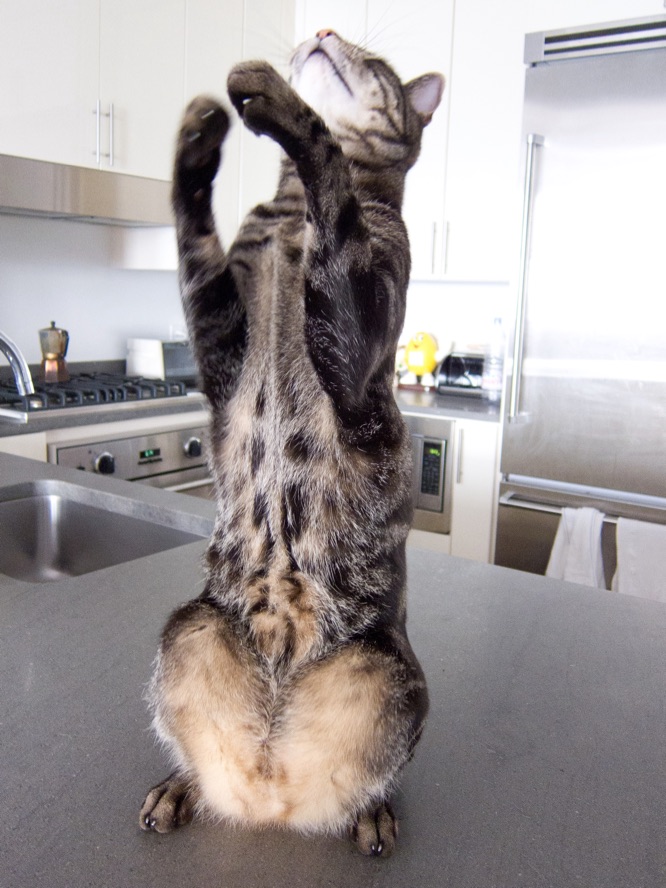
x,y
168,805
375,832
203,129
263,98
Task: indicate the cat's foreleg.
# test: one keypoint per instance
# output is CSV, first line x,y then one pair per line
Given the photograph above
x,y
215,316
358,262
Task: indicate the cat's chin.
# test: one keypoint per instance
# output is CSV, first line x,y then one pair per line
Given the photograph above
x,y
325,94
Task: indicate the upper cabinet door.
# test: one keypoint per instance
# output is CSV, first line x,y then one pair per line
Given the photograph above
x,y
214,44
218,37
142,64
416,38
268,34
49,79
483,152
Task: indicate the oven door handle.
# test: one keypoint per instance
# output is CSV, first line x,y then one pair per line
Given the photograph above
x,y
190,485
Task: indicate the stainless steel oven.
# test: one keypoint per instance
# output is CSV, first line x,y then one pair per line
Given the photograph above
x,y
173,459
170,454
433,467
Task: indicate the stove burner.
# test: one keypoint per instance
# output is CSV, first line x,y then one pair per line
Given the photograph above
x,y
89,389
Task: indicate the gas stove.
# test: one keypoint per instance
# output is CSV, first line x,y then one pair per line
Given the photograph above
x,y
86,391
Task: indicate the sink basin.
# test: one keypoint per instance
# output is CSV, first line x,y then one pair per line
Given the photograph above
x,y
53,529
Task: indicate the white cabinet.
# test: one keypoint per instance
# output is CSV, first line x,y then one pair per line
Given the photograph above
x,y
141,69
475,487
49,79
483,152
417,38
219,36
60,61
31,445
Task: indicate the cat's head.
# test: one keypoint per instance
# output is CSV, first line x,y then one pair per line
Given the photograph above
x,y
376,118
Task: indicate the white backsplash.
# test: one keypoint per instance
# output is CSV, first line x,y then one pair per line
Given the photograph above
x,y
64,271
456,313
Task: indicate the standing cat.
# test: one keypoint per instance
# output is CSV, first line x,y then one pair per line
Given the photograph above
x,y
288,692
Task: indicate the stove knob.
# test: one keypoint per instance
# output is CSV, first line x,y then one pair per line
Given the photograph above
x,y
105,464
192,447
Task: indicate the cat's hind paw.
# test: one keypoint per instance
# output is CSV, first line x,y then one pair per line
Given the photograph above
x,y
168,805
375,832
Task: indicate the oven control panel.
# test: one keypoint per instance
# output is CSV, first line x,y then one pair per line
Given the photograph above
x,y
136,458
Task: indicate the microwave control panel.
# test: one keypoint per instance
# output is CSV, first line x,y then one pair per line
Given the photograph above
x,y
432,481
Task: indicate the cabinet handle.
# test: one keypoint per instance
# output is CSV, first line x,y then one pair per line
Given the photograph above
x,y
111,134
459,458
533,141
439,254
433,252
98,132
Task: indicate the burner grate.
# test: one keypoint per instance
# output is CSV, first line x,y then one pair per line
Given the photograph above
x,y
88,389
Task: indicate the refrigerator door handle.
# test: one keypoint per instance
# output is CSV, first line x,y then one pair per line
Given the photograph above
x,y
516,502
533,141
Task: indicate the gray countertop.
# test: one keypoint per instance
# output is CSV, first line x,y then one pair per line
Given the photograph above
x,y
542,763
74,417
451,406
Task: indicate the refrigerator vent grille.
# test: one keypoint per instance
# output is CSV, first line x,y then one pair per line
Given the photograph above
x,y
630,36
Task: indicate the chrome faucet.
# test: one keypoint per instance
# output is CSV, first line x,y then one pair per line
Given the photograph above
x,y
18,364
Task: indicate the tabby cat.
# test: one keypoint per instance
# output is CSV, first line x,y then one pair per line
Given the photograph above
x,y
288,692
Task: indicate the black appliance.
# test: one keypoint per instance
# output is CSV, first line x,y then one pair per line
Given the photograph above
x,y
460,373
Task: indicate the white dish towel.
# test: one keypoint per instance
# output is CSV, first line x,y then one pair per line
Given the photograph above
x,y
576,552
641,559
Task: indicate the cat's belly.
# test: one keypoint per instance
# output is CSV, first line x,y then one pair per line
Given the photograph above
x,y
302,519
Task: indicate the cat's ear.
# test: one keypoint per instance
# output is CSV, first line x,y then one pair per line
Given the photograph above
x,y
425,94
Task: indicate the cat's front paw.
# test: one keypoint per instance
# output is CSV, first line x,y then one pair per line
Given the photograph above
x,y
263,99
203,129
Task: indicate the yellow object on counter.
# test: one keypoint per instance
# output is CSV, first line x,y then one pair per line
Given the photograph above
x,y
420,354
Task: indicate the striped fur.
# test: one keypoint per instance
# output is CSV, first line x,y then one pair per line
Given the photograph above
x,y
288,693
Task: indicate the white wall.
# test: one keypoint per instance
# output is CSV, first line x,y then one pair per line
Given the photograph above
x,y
65,271
458,314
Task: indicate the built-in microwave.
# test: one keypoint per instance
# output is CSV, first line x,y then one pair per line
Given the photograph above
x,y
432,478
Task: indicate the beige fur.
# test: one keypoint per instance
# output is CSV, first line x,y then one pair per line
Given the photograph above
x,y
301,766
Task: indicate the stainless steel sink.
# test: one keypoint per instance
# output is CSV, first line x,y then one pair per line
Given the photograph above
x,y
54,529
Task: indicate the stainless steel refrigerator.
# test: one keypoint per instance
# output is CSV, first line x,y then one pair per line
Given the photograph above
x,y
585,385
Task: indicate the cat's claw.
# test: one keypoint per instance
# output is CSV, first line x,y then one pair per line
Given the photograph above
x,y
375,832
